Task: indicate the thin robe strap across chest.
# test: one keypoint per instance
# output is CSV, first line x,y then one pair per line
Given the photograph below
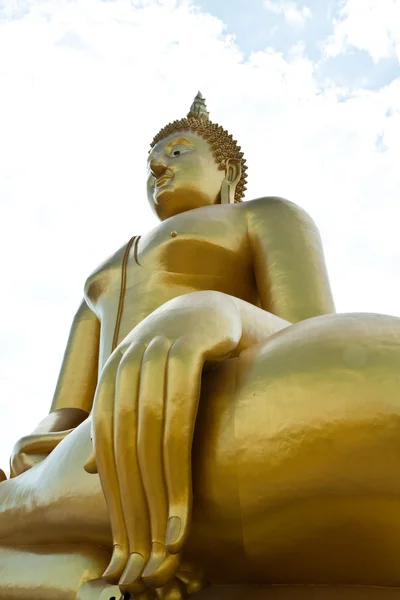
x,y
133,240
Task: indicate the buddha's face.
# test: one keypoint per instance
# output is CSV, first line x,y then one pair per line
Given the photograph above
x,y
182,174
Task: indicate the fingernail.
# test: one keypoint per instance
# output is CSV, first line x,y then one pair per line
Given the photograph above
x,y
173,530
161,566
158,554
133,569
116,566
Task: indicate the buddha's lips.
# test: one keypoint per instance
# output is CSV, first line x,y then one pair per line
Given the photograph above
x,y
162,180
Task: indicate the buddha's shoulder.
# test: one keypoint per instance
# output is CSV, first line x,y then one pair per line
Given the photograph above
x,y
273,204
100,280
271,209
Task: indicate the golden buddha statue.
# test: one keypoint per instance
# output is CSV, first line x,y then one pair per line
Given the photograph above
x,y
244,435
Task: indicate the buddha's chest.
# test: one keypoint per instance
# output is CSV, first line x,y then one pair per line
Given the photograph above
x,y
208,242
182,255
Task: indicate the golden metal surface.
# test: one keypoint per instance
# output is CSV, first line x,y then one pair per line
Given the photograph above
x,y
243,433
297,593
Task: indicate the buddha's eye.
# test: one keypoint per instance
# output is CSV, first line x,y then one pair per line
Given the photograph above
x,y
179,149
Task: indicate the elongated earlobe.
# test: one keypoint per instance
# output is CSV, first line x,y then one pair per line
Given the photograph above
x,y
227,193
233,172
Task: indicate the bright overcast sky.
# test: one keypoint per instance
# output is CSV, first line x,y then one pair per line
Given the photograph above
x,y
311,89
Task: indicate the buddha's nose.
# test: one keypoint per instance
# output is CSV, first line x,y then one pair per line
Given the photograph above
x,y
157,168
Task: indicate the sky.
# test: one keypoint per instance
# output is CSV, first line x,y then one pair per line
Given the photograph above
x,y
311,89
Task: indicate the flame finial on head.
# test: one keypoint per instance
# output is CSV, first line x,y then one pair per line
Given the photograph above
x,y
198,110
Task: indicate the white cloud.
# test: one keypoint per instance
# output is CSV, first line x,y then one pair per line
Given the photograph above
x,y
290,11
84,87
370,25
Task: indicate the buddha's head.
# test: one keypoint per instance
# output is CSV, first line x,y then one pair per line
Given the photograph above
x,y
192,163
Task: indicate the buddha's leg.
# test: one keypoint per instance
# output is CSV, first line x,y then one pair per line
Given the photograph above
x,y
311,492
49,573
296,464
56,500
54,526
56,506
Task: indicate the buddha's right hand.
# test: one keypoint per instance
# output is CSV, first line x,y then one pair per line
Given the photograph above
x,y
33,448
143,422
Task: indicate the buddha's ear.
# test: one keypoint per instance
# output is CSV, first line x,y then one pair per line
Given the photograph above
x,y
233,173
233,170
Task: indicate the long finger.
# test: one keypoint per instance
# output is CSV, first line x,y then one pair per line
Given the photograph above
x,y
130,483
103,426
150,448
183,392
182,398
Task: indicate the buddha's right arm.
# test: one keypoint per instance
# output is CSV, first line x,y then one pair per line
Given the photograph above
x,y
77,381
73,397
